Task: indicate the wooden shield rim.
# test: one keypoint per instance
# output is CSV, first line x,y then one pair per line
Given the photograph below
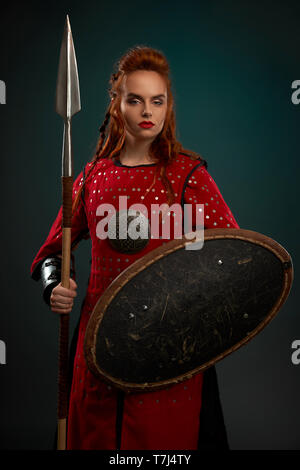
x,y
139,265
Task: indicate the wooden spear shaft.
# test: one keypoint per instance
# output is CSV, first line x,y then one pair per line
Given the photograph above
x,y
62,408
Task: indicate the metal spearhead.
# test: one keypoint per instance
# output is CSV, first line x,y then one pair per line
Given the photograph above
x,y
67,94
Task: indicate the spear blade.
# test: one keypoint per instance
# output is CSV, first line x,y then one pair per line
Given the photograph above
x,y
67,94
67,88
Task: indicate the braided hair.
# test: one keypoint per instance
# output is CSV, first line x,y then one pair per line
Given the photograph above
x,y
165,147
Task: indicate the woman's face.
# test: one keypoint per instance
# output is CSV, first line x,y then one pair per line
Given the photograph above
x,y
144,98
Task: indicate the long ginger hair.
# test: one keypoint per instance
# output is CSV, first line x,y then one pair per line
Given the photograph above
x,y
165,147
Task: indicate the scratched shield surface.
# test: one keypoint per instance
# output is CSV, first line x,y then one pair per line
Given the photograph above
x,y
188,309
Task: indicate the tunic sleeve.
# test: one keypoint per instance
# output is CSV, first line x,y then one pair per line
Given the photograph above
x,y
53,243
200,188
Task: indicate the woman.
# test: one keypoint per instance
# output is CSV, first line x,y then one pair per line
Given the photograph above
x,y
141,159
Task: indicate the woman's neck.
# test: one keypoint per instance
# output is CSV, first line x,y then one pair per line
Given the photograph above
x,y
135,155
135,160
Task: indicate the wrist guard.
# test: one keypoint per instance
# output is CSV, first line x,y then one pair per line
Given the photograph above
x,y
51,276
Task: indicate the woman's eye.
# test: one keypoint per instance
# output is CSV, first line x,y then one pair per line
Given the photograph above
x,y
134,101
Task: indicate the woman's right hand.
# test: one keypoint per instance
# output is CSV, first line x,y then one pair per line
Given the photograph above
x,y
61,298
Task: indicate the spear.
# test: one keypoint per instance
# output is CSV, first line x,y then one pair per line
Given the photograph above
x,y
67,104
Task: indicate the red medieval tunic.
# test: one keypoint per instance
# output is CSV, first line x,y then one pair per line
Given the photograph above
x,y
166,419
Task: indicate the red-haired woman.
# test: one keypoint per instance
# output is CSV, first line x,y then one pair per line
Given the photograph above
x,y
137,156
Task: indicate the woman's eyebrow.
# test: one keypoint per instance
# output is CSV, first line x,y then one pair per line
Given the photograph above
x,y
134,95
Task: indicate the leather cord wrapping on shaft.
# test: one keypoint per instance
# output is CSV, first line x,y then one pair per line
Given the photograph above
x,y
67,188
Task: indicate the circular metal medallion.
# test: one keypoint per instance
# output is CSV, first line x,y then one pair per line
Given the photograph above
x,y
128,231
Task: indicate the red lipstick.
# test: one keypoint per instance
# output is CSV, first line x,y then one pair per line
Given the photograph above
x,y
146,124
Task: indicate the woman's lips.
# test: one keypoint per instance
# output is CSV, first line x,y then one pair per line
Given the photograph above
x,y
146,125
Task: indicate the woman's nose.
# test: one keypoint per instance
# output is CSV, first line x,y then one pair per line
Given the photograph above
x,y
147,110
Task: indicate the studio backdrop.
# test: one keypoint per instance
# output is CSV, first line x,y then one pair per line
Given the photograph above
x,y
235,73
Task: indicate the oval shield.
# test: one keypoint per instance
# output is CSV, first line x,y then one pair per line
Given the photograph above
x,y
175,312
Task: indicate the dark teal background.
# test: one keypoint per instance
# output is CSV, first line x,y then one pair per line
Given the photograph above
x,y
232,65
